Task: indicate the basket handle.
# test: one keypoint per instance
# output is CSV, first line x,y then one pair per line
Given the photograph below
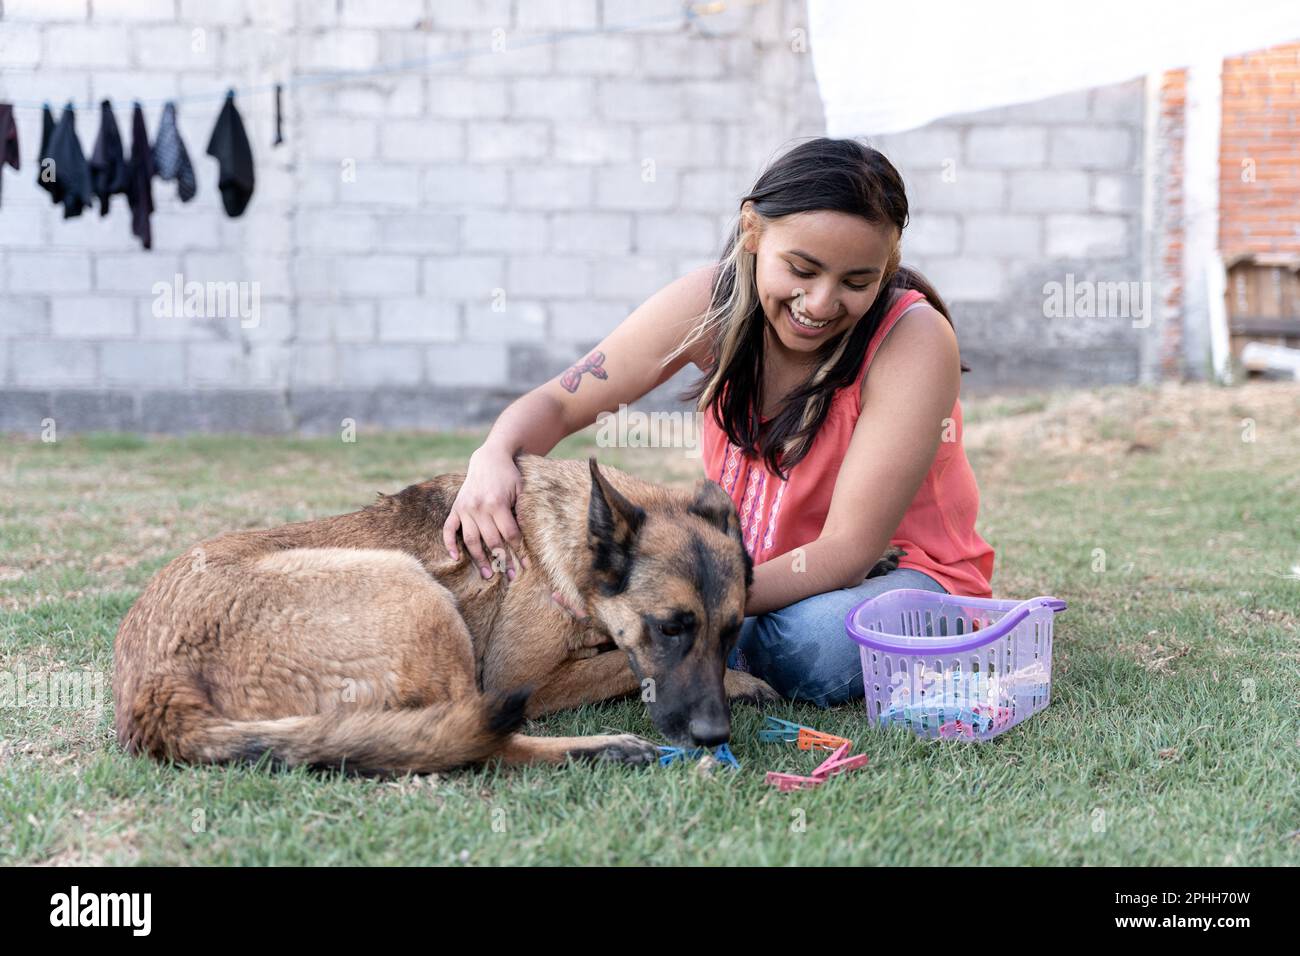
x,y
1027,607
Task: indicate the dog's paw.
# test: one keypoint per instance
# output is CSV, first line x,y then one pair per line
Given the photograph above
x,y
626,749
748,689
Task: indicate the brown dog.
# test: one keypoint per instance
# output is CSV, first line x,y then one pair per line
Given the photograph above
x,y
356,642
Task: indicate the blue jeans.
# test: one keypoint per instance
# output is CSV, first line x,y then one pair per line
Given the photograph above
x,y
803,651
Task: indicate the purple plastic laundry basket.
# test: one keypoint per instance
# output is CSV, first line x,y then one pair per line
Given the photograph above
x,y
956,667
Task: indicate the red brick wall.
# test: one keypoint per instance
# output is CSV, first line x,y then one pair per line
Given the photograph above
x,y
1259,173
1260,142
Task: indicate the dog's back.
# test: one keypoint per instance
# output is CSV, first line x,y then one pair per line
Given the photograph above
x,y
280,641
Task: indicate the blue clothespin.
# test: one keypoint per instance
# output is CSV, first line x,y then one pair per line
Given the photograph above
x,y
669,754
933,715
723,755
778,731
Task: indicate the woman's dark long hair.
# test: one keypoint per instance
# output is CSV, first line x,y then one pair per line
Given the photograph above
x,y
842,175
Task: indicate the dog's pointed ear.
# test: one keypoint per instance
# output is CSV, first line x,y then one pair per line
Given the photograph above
x,y
713,505
716,507
613,523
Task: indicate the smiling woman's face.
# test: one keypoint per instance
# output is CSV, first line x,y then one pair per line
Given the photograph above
x,y
822,267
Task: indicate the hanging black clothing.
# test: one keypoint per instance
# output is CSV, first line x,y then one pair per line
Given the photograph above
x,y
47,133
70,170
139,192
229,144
109,173
8,139
171,159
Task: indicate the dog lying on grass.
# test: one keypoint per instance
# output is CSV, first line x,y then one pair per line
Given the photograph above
x,y
356,642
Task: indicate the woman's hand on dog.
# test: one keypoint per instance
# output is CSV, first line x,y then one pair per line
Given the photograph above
x,y
484,514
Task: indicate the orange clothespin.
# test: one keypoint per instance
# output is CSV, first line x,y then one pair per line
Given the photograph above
x,y
810,739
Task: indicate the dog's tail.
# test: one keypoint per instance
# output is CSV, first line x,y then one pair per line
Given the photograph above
x,y
174,719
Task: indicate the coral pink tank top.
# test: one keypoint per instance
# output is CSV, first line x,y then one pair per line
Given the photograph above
x,y
937,531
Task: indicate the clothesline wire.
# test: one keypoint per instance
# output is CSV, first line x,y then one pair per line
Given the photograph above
x,y
691,11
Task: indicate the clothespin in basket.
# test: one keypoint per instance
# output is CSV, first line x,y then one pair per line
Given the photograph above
x,y
956,728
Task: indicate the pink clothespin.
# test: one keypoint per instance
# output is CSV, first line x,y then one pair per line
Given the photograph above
x,y
838,762
785,782
956,728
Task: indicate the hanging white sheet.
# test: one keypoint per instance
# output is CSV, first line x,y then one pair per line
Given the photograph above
x,y
884,66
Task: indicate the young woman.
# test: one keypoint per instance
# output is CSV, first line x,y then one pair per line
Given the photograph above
x,y
828,465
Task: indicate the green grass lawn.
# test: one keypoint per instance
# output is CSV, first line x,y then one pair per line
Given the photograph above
x,y
1172,737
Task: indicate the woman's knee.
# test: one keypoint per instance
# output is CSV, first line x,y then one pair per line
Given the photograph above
x,y
803,651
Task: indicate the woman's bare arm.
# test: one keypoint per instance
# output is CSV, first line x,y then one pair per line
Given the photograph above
x,y
627,364
621,369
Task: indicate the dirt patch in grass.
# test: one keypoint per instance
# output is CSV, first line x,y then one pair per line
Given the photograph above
x,y
1157,654
1179,422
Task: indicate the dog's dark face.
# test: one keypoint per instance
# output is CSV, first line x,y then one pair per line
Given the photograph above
x,y
670,584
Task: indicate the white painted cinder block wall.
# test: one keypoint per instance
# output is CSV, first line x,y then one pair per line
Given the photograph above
x,y
515,177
